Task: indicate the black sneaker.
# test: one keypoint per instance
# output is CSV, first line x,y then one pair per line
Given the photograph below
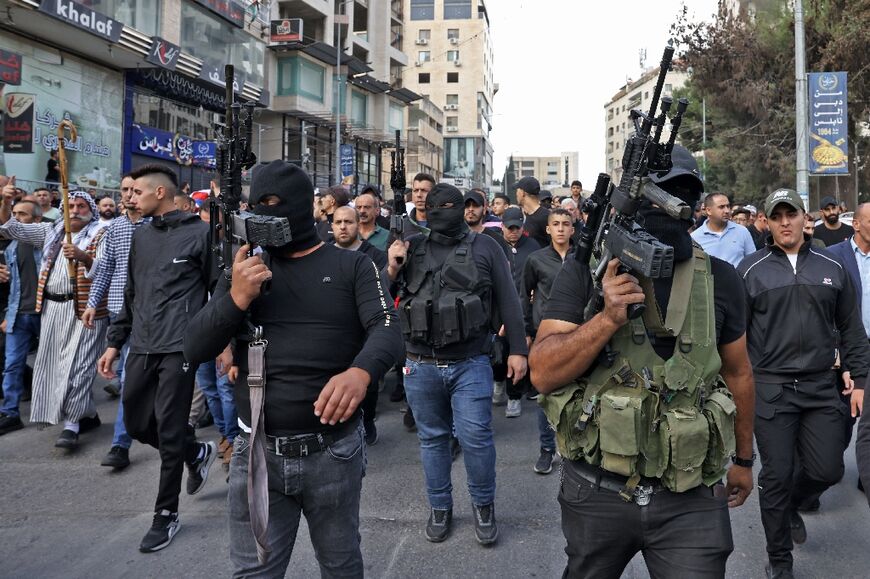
x,y
9,423
545,462
455,448
112,390
89,423
371,433
778,572
408,421
438,526
68,440
164,527
798,529
197,472
117,458
484,524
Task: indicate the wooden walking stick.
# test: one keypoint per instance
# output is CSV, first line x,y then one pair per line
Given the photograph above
x,y
64,185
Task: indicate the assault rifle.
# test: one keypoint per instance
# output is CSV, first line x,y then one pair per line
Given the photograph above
x,y
611,230
397,183
229,226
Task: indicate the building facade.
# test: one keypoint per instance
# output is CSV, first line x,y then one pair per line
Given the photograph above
x,y
450,50
552,172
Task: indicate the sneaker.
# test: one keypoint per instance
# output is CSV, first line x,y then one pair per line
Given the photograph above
x,y
10,423
197,472
514,408
117,458
68,440
455,448
438,526
778,572
112,390
499,394
545,462
89,423
164,527
224,445
371,433
398,393
798,529
485,527
226,458
408,420
532,395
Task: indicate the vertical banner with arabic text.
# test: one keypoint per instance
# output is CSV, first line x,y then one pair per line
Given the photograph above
x,y
829,123
18,124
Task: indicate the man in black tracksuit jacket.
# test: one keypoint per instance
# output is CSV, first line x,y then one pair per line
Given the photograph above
x,y
169,276
802,314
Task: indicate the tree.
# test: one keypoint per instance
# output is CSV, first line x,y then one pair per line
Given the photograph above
x,y
743,70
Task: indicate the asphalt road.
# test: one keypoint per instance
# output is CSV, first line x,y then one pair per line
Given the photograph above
x,y
66,516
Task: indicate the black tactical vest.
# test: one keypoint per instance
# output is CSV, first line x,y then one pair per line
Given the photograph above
x,y
444,303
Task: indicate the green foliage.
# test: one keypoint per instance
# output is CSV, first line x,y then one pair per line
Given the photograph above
x,y
743,70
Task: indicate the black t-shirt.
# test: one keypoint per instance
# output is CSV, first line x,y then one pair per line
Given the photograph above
x,y
27,277
573,288
831,236
52,172
536,226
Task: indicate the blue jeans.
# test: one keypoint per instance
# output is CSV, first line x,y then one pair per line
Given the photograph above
x,y
17,346
325,486
546,433
121,438
458,395
219,397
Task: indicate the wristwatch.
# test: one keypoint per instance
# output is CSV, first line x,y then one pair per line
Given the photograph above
x,y
744,462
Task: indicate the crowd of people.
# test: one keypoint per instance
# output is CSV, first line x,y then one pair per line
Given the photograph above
x,y
478,303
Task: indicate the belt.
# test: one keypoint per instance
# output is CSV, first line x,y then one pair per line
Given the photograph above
x,y
57,297
421,359
302,446
641,495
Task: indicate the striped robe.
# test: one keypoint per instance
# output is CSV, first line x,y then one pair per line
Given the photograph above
x,y
65,366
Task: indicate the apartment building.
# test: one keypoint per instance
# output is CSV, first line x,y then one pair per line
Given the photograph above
x,y
551,172
450,54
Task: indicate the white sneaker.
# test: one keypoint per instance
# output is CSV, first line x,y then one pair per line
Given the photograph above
x,y
499,394
514,408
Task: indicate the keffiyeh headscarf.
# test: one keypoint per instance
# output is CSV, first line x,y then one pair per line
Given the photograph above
x,y
83,237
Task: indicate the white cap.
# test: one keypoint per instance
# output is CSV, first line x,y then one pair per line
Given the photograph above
x,y
752,209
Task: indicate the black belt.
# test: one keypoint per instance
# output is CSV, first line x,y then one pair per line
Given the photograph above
x,y
57,297
301,446
599,477
421,359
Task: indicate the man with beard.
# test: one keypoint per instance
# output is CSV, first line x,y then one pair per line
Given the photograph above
x,y
453,284
65,361
641,469
109,279
475,213
331,331
106,207
831,230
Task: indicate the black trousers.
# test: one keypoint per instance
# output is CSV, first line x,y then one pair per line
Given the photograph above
x,y
803,419
369,404
158,389
681,535
862,451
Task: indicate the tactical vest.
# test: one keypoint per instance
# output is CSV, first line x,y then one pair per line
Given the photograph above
x,y
444,303
648,417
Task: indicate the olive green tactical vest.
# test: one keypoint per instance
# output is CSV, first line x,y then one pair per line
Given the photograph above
x,y
444,303
648,417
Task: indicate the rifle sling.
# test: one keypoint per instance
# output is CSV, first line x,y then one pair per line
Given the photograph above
x,y
258,476
678,303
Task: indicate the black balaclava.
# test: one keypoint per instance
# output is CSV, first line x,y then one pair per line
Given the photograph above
x,y
293,187
447,224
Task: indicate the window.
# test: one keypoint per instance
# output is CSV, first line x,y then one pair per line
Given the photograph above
x,y
610,132
397,117
211,39
452,77
422,9
453,99
456,9
299,77
424,34
423,56
453,122
452,55
139,14
358,108
423,78
452,33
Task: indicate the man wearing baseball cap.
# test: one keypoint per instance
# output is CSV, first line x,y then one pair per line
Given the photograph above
x,y
528,197
831,230
802,325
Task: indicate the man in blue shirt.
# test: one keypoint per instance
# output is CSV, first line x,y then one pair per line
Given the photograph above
x,y
721,237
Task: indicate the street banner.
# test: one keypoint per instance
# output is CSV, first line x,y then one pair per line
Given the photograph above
x,y
829,123
18,124
347,154
10,68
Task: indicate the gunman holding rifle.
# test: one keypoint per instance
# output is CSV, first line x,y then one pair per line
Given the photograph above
x,y
642,359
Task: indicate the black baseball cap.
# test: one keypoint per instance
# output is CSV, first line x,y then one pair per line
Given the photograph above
x,y
476,197
544,194
528,184
512,217
828,200
683,164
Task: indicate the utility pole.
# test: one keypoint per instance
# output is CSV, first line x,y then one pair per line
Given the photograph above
x,y
800,72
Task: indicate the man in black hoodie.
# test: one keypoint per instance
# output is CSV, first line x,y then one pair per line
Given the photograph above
x,y
170,272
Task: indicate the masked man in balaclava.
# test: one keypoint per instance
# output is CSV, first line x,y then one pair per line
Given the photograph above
x,y
455,290
331,330
647,430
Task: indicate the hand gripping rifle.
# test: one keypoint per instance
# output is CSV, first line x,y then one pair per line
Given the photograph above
x,y
230,227
397,183
611,230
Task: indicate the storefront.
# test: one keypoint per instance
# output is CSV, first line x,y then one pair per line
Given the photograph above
x,y
41,87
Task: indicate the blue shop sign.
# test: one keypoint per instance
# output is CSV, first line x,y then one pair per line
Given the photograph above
x,y
174,147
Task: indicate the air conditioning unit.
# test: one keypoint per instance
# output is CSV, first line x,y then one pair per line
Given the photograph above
x,y
457,63
452,129
454,41
419,63
421,41
451,107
